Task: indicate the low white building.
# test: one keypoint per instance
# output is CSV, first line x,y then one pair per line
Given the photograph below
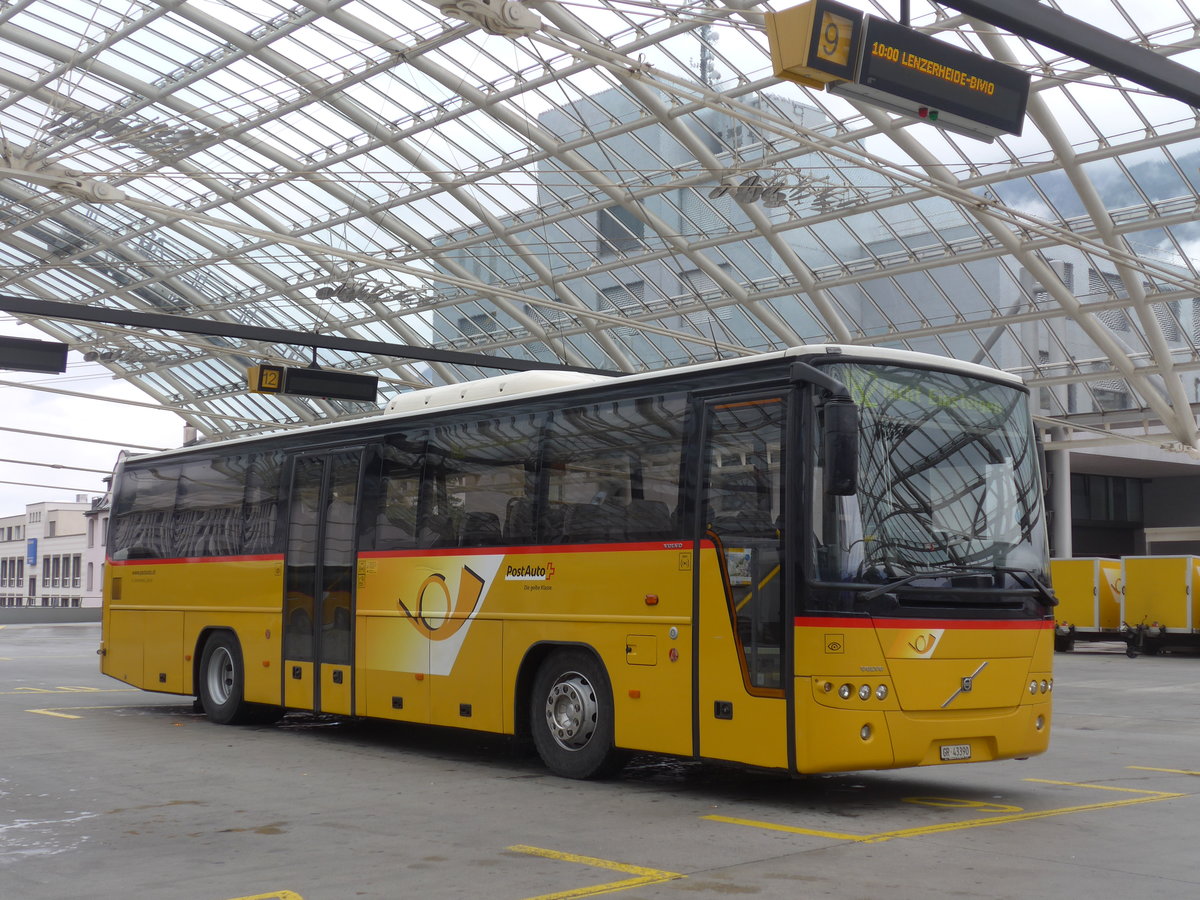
x,y
52,555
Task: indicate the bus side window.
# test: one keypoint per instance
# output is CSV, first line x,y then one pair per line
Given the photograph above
x,y
484,473
260,510
613,470
392,494
141,523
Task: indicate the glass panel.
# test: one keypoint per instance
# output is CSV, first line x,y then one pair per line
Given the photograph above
x,y
949,483
392,495
478,475
303,528
743,504
260,510
612,471
337,569
142,519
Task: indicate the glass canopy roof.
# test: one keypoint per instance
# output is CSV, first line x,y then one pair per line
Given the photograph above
x,y
603,184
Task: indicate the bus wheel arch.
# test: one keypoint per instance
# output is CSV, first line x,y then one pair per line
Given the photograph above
x,y
570,713
220,680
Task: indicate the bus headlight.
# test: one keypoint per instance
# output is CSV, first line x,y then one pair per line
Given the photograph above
x,y
846,691
864,692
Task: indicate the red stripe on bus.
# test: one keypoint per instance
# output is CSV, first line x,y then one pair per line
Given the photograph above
x,y
266,557
532,550
962,624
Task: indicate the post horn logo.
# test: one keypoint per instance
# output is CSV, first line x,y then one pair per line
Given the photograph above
x,y
436,616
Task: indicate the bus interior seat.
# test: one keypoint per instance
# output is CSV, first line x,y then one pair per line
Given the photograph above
x,y
480,529
586,522
519,521
647,519
437,531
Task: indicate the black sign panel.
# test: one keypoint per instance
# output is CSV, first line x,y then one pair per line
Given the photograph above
x,y
30,355
333,385
907,64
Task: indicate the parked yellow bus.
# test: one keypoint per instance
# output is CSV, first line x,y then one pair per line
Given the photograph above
x,y
821,559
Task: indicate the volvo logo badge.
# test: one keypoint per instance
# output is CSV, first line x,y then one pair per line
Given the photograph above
x,y
966,685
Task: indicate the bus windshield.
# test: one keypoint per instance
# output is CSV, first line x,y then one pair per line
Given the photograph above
x,y
948,486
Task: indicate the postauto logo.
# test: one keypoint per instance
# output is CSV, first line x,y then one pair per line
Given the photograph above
x,y
529,572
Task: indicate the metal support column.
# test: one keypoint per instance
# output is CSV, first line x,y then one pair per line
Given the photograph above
x,y
1059,463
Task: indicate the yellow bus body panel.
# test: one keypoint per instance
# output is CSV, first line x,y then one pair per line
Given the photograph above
x,y
1089,593
448,634
927,685
155,612
1162,590
441,638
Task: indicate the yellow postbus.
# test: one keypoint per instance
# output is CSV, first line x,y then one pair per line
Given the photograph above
x,y
821,559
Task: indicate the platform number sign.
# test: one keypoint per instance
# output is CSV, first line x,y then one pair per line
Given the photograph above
x,y
833,45
835,38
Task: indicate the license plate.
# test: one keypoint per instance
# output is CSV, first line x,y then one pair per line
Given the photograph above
x,y
955,751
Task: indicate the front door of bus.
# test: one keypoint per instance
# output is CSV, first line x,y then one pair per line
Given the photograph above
x,y
743,638
318,635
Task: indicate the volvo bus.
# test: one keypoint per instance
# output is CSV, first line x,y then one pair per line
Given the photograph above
x,y
823,559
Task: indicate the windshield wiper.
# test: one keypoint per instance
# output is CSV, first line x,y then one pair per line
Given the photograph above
x,y
1023,576
1036,583
901,582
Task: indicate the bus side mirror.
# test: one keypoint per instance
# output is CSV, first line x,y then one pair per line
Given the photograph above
x,y
841,447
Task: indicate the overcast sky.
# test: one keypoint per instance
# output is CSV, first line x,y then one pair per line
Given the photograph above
x,y
50,413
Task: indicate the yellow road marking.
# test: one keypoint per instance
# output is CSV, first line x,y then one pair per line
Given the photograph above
x,y
50,712
57,711
1168,771
68,689
275,895
1147,797
643,876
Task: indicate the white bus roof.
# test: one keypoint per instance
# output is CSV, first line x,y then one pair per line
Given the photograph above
x,y
531,383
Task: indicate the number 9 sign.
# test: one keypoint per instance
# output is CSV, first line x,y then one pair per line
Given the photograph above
x,y
834,45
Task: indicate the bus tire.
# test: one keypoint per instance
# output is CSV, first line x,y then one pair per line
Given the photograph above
x,y
223,681
571,716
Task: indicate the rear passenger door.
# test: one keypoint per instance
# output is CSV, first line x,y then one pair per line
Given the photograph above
x,y
318,635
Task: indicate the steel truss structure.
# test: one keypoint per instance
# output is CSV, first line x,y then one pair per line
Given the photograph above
x,y
609,184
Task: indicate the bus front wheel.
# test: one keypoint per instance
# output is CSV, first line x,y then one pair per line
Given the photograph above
x,y
572,716
222,681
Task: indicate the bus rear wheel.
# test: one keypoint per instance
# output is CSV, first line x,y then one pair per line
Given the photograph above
x,y
571,716
223,682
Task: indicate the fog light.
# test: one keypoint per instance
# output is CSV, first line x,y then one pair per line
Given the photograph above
x,y
864,692
881,692
865,732
1040,723
846,691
